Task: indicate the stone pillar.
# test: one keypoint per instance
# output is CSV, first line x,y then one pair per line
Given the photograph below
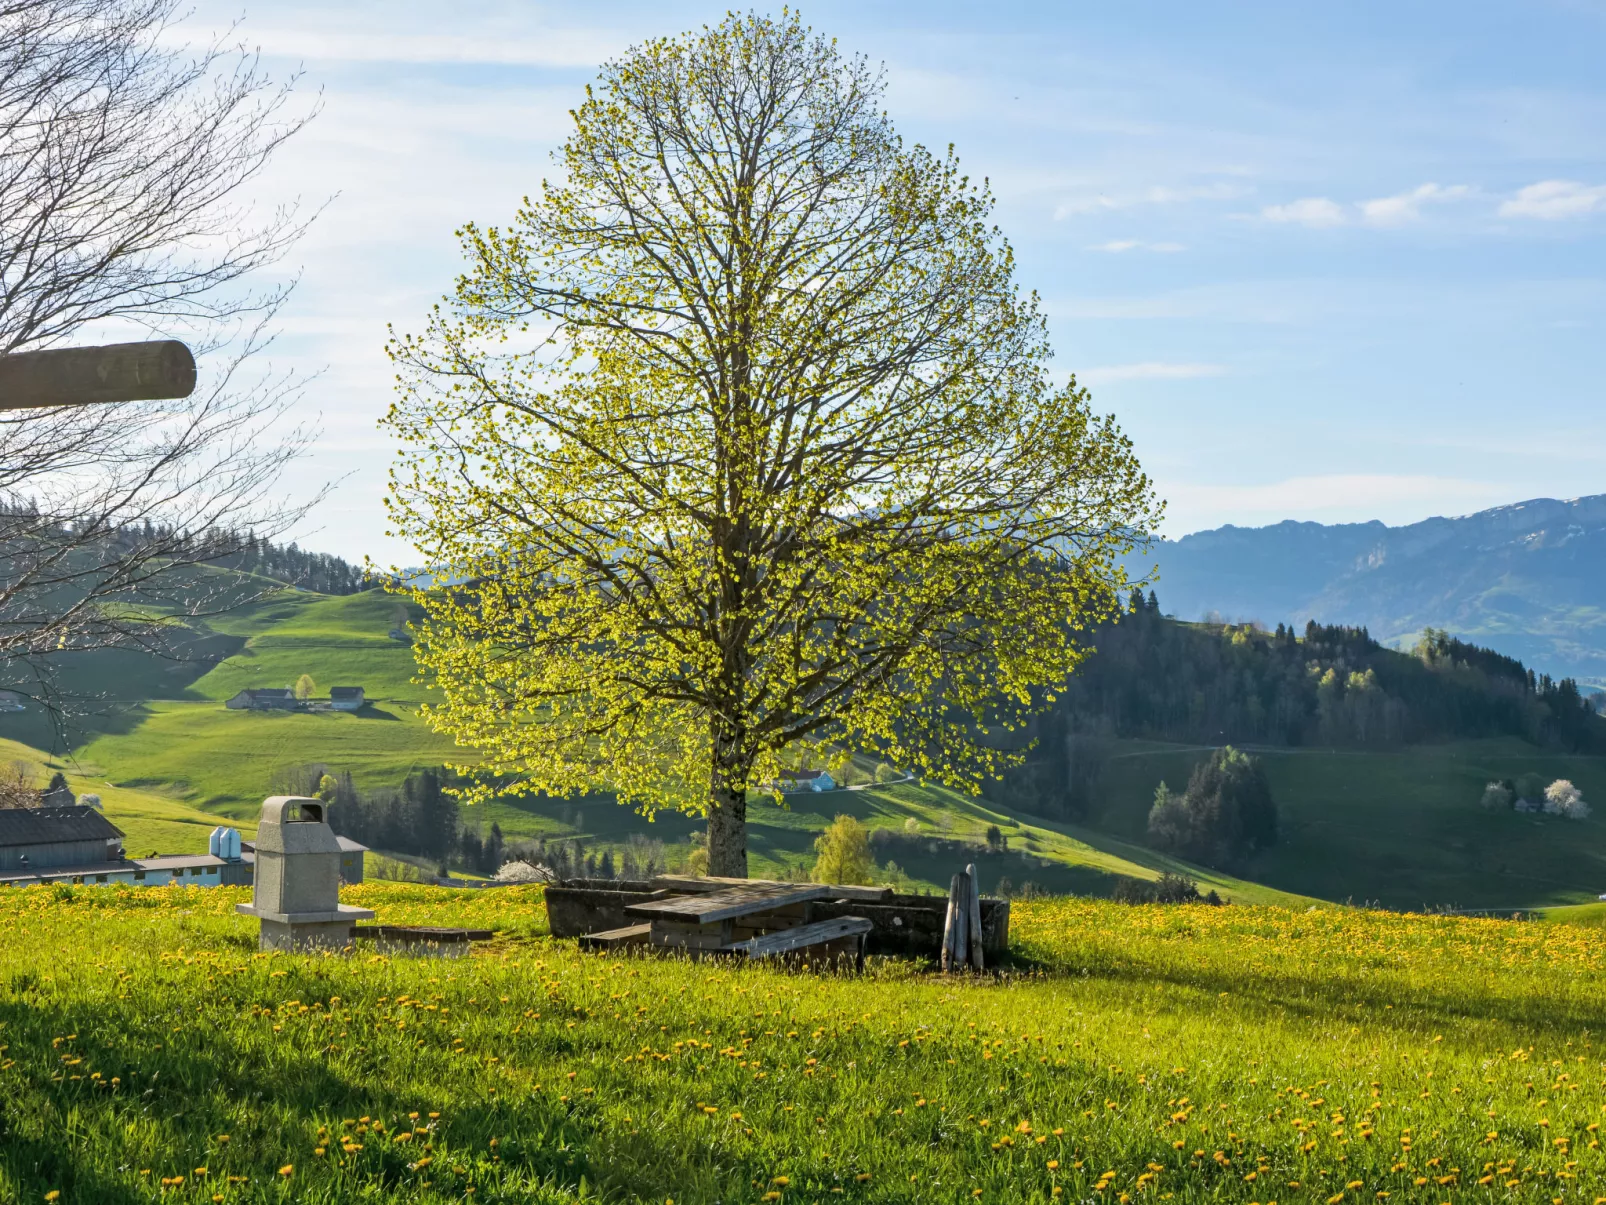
x,y
296,892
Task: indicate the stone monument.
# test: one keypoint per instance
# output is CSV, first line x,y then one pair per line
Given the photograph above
x,y
296,893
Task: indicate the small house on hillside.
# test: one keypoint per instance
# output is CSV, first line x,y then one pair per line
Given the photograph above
x,y
345,698
807,780
264,699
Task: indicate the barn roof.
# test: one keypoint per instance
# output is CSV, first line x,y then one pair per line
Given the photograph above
x,y
45,826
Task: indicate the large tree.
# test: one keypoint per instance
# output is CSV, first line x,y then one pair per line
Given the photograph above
x,y
741,442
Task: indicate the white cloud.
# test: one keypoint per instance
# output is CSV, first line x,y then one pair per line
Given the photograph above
x,y
1407,206
1149,370
1550,200
1116,246
1316,212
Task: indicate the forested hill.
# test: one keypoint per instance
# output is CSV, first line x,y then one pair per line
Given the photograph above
x,y
1526,579
1212,684
320,572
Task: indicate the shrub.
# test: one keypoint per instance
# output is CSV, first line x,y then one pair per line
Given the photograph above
x,y
697,861
885,773
1497,796
996,841
843,852
1167,889
1530,788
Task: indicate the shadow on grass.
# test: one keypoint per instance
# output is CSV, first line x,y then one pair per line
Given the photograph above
x,y
1377,1001
88,1138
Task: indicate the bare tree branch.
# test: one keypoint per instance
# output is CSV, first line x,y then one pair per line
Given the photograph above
x,y
122,165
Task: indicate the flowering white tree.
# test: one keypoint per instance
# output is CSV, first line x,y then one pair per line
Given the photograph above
x,y
1564,799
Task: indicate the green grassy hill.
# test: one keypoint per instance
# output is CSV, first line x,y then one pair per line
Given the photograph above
x,y
340,641
182,762
1401,826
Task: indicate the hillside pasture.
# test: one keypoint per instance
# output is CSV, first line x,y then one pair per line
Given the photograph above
x,y
1403,828
338,641
227,762
949,830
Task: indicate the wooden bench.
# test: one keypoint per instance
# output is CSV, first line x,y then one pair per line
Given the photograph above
x,y
846,932
611,939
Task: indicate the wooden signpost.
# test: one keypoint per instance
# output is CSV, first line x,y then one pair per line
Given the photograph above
x,y
84,376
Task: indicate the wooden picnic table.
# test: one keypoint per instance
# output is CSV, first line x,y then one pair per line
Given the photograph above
x,y
729,903
756,918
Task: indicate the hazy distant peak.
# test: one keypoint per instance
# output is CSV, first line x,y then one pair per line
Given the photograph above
x,y
1527,578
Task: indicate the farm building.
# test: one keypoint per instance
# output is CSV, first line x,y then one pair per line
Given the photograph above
x,y
40,839
807,780
79,845
346,698
264,699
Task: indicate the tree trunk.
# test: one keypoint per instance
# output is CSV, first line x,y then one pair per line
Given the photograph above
x,y
973,916
727,804
727,833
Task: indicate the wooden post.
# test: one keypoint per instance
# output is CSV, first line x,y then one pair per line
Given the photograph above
x,y
82,376
974,902
950,927
962,946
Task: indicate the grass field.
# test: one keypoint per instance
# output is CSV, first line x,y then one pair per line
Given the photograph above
x,y
339,641
1402,828
227,761
1185,1054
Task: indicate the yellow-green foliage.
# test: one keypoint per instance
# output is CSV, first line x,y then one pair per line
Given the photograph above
x,y
1185,1054
843,853
745,438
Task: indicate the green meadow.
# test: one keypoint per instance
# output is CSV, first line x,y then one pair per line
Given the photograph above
x,y
1136,1054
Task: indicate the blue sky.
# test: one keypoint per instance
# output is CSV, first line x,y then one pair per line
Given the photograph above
x,y
1323,262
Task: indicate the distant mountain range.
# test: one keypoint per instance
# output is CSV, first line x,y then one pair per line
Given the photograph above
x,y
1528,580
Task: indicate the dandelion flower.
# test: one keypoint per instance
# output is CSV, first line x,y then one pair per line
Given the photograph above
x,y
287,1169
